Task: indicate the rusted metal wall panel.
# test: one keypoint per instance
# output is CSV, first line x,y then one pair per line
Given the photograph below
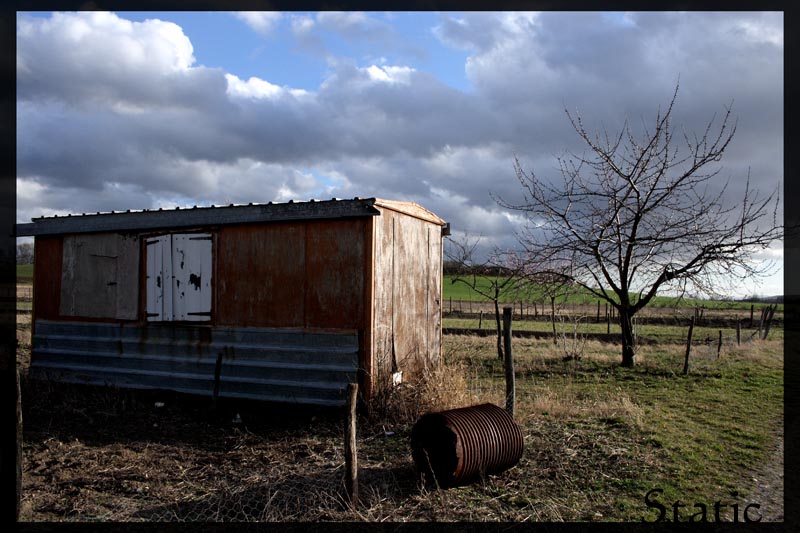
x,y
261,275
257,363
47,276
334,281
98,277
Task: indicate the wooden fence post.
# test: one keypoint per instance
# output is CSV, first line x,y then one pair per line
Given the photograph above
x,y
751,315
688,347
510,390
769,315
19,446
598,311
719,344
761,322
350,453
738,331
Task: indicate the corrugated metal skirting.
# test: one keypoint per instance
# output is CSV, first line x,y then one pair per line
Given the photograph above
x,y
253,363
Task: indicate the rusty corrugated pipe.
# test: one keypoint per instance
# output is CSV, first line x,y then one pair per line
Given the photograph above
x,y
459,446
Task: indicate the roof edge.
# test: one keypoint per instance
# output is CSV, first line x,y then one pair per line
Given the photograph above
x,y
412,209
156,219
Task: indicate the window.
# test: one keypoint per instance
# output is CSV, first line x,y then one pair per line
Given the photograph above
x,y
179,270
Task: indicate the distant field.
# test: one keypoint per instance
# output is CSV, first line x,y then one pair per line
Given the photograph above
x,y
460,291
25,273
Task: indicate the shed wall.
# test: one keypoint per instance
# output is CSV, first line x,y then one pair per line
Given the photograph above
x,y
100,276
292,274
407,309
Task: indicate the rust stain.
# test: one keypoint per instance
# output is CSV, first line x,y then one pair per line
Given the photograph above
x,y
260,275
47,277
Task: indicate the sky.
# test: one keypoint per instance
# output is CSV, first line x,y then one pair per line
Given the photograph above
x,y
133,110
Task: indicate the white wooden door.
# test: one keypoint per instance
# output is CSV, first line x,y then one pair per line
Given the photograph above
x,y
159,278
191,272
179,271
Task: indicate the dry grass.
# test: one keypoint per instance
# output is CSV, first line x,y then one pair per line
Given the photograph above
x,y
596,439
442,387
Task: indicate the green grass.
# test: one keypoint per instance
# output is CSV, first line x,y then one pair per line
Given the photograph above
x,y
25,273
599,436
658,333
461,291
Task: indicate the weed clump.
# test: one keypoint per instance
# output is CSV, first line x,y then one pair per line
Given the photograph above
x,y
434,389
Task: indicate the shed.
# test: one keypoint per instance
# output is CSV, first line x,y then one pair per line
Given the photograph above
x,y
280,302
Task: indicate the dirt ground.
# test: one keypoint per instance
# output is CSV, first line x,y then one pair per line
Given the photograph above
x,y
768,485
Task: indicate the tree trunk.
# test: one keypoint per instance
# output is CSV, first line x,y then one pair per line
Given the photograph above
x,y
626,326
499,329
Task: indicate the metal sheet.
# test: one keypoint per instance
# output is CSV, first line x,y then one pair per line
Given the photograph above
x,y
198,217
256,363
458,446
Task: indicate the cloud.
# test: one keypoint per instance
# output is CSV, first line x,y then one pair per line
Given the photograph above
x,y
120,114
262,22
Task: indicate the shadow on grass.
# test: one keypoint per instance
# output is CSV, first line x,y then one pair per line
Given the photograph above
x,y
307,497
100,416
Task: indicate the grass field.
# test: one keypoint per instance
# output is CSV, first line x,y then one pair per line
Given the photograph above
x,y
461,291
653,333
25,273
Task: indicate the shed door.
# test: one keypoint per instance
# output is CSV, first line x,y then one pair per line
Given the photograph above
x,y
179,270
191,271
159,278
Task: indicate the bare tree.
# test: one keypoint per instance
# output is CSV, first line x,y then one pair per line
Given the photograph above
x,y
491,279
25,253
636,214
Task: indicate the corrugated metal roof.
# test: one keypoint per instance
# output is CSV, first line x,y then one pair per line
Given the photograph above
x,y
153,219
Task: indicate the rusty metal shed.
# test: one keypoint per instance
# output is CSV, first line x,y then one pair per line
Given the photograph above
x,y
281,301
